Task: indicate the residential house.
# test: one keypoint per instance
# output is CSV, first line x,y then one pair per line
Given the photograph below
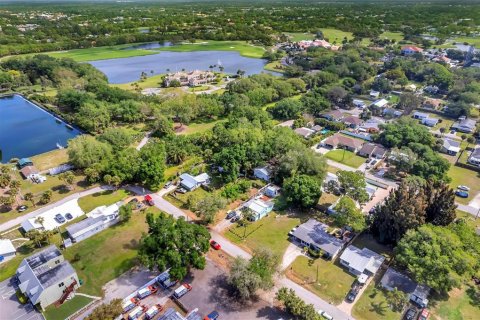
x,y
430,122
341,141
431,103
409,50
193,78
99,219
417,293
260,207
474,157
334,115
352,121
29,172
372,150
420,115
370,126
361,261
7,250
190,182
392,113
262,173
359,103
466,125
272,191
431,89
374,94
45,277
314,234
24,162
304,132
380,104
317,128
451,147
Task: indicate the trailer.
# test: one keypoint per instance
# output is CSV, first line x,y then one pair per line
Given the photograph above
x,y
129,305
182,290
153,311
165,281
136,313
145,292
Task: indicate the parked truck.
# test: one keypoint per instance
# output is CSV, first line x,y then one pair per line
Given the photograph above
x,y
145,292
182,290
129,304
153,311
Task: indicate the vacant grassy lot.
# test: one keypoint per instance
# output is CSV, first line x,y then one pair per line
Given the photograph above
x,y
50,159
346,157
458,306
108,254
101,53
104,198
462,176
66,309
397,36
242,47
275,66
200,127
373,305
326,200
299,36
151,82
269,232
333,282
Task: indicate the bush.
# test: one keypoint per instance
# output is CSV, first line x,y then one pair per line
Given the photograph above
x,y
21,297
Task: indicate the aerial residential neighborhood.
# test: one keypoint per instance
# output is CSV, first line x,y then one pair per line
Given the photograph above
x,y
182,160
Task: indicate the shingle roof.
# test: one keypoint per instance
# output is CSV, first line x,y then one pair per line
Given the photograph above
x,y
315,232
394,279
54,275
352,120
362,260
338,139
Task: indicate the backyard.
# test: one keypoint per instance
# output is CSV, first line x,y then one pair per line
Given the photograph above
x,y
326,279
459,305
346,157
373,305
269,232
50,159
66,309
466,177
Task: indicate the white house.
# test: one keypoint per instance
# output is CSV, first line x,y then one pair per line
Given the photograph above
x,y
361,261
451,147
259,207
381,103
374,94
190,182
420,115
430,122
475,157
262,173
7,250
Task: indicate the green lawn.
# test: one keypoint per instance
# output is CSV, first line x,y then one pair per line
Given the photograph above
x,y
333,282
346,157
66,309
245,49
200,127
50,159
326,200
269,232
373,305
469,178
101,53
275,66
335,35
458,306
150,82
198,88
105,198
299,36
397,36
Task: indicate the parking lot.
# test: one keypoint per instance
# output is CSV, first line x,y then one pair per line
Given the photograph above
x,y
210,292
11,308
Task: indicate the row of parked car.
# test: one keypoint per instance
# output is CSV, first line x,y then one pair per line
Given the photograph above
x,y
60,219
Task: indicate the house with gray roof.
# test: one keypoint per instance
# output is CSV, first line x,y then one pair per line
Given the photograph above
x,y
361,261
314,234
466,125
474,157
450,147
190,182
262,173
418,293
45,277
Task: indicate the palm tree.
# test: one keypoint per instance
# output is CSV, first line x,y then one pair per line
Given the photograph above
x,y
29,197
46,197
40,220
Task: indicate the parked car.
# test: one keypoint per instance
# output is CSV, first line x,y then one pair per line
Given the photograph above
x,y
181,190
22,208
182,290
59,218
211,316
235,218
326,315
461,194
231,214
464,188
68,216
424,314
410,314
352,294
153,311
168,184
149,200
215,245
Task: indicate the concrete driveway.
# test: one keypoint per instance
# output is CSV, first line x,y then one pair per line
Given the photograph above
x,y
210,292
11,308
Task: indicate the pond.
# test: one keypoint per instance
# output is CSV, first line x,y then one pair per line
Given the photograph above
x,y
124,70
27,130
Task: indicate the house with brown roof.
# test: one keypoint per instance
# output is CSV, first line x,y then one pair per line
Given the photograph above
x,y
352,122
341,141
409,50
305,132
28,172
431,103
334,115
372,150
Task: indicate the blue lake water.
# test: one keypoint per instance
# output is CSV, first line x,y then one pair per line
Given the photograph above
x,y
124,70
27,130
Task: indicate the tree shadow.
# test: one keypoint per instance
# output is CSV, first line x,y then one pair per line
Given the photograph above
x,y
132,245
474,295
378,308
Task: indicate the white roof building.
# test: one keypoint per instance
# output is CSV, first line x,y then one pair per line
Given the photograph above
x,y
361,261
49,222
7,250
380,103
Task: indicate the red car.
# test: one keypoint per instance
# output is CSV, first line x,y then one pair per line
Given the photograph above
x,y
215,245
149,200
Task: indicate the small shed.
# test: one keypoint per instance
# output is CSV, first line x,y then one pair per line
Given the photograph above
x,y
24,162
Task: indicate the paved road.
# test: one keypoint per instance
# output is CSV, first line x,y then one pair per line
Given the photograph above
x,y
15,222
472,210
10,308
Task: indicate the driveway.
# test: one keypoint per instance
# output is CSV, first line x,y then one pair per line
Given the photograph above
x,y
211,292
10,307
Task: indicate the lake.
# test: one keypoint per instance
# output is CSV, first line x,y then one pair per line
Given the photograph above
x,y
124,70
27,130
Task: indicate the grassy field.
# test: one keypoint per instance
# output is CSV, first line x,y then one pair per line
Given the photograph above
x,y
335,35
101,53
50,159
200,127
458,306
333,282
269,232
326,200
397,36
242,47
275,66
466,177
346,157
198,88
373,305
105,198
108,254
299,36
151,82
66,309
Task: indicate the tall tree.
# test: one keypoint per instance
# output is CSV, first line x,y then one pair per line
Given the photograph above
x,y
353,184
347,214
152,165
441,207
302,190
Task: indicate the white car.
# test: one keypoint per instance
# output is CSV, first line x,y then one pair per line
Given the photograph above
x,y
464,188
327,316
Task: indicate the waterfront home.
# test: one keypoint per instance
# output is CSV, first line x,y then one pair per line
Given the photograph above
x,y
46,278
193,78
28,172
24,162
